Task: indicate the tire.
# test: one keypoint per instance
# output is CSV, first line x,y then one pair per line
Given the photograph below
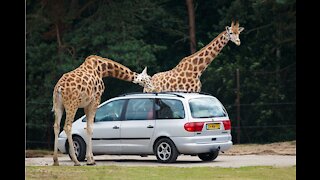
x,y
165,151
80,148
208,156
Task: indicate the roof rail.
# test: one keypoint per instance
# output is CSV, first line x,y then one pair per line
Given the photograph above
x,y
132,93
155,93
205,93
173,92
164,92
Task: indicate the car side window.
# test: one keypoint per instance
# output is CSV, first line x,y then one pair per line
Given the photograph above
x,y
140,109
169,109
110,111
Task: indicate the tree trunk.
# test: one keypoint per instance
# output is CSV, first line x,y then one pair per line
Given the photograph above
x,y
192,26
58,36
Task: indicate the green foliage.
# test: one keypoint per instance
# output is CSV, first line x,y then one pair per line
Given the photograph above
x,y
135,53
155,34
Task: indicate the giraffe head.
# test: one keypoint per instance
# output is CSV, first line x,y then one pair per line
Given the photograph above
x,y
143,79
233,32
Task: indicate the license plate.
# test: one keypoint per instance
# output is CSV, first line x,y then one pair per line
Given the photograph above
x,y
213,126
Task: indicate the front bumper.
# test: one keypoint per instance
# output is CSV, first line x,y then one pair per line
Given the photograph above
x,y
61,144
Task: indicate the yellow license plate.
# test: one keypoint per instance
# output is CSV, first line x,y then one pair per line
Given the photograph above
x,y
213,126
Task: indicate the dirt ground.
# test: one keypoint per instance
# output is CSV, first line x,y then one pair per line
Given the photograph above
x,y
279,148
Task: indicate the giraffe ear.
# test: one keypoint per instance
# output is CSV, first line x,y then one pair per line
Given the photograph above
x,y
144,71
227,28
241,29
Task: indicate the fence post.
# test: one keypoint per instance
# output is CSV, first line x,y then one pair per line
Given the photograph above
x,y
238,106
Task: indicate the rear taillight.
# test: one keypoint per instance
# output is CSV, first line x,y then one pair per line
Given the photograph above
x,y
227,124
194,126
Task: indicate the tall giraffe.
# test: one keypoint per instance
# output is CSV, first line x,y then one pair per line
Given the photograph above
x,y
82,88
186,75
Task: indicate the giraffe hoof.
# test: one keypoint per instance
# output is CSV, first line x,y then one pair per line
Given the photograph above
x,y
77,164
55,164
91,164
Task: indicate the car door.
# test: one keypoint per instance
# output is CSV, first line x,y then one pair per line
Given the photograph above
x,y
138,126
106,128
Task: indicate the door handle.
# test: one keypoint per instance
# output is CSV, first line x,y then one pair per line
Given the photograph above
x,y
149,126
116,127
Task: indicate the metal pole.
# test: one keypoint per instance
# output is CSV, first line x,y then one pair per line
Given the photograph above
x,y
238,106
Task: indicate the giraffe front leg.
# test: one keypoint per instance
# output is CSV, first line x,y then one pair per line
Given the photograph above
x,y
90,113
89,154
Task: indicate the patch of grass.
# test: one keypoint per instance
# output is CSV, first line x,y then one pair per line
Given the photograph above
x,y
176,173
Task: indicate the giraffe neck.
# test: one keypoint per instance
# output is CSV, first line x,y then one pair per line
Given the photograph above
x,y
201,59
104,67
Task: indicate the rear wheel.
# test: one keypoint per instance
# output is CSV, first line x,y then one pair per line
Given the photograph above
x,y
79,148
208,156
166,151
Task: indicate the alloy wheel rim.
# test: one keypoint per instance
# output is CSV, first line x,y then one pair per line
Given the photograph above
x,y
76,148
164,151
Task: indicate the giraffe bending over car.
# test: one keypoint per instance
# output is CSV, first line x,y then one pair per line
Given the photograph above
x,y
186,75
82,88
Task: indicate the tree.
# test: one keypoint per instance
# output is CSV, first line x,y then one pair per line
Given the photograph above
x,y
192,26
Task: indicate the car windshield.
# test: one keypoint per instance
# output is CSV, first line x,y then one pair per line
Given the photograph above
x,y
206,108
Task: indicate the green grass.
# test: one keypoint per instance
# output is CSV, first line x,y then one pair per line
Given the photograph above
x,y
167,173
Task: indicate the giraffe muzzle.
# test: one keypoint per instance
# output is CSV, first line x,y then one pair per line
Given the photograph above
x,y
238,42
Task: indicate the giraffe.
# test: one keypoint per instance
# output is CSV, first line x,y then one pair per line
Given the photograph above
x,y
186,75
82,88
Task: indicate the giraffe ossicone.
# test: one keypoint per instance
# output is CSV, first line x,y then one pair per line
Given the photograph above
x,y
82,88
186,75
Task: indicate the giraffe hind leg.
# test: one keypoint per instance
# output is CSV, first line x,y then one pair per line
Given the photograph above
x,y
58,112
90,113
70,113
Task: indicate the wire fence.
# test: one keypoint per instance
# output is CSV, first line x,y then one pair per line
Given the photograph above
x,y
262,123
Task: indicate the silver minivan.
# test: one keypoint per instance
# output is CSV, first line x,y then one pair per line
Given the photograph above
x,y
161,124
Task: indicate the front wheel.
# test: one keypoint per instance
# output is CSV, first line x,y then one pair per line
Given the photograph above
x,y
208,156
79,148
166,151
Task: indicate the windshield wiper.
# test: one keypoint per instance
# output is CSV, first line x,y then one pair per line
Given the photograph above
x,y
206,117
211,116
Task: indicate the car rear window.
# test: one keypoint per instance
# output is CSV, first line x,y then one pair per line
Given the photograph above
x,y
206,108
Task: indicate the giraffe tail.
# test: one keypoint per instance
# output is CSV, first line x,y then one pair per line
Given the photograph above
x,y
53,100
54,96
